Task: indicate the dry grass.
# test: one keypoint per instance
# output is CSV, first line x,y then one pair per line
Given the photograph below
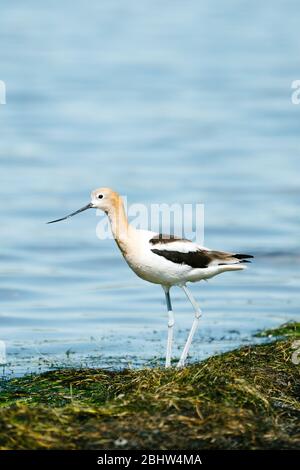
x,y
245,399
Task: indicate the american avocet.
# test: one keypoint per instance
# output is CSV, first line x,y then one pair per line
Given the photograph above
x,y
160,259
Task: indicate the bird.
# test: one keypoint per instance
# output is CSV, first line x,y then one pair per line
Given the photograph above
x,y
163,259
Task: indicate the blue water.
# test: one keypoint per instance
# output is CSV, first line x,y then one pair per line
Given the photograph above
x,y
165,102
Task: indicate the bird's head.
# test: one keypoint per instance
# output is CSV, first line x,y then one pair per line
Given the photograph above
x,y
103,198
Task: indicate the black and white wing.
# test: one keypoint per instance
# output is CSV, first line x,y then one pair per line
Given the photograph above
x,y
185,252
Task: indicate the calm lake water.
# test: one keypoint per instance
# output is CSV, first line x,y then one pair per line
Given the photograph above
x,y
165,102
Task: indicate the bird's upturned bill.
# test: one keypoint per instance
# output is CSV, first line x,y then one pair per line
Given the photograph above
x,y
88,206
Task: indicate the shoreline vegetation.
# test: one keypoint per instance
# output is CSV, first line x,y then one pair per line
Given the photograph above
x,y
248,398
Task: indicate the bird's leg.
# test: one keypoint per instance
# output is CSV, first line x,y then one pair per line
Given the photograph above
x,y
198,314
170,326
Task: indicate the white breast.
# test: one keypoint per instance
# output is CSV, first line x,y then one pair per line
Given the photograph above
x,y
150,266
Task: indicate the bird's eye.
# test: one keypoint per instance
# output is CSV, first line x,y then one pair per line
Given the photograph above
x,y
100,196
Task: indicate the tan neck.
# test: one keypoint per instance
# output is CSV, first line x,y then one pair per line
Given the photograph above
x,y
119,224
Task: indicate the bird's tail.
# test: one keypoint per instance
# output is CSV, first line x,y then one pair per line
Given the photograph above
x,y
243,258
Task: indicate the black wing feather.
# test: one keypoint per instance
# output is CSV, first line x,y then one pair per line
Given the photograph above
x,y
201,258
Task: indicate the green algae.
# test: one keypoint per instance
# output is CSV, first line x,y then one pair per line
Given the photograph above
x,y
245,399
